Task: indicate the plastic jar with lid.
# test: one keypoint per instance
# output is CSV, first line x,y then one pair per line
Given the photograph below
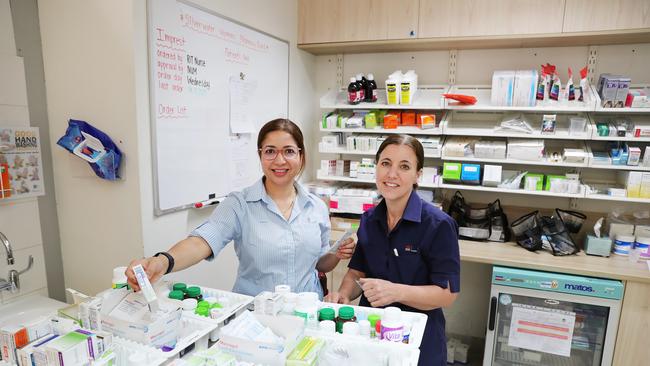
x,y
346,314
203,303
282,289
392,327
623,244
194,292
326,314
642,245
176,295
373,319
307,309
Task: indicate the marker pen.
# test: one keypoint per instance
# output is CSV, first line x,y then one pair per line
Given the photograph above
x,y
209,202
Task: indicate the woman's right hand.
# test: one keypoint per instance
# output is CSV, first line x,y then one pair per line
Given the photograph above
x,y
336,298
155,268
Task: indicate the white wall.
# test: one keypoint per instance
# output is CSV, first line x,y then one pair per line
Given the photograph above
x,y
19,219
95,60
88,57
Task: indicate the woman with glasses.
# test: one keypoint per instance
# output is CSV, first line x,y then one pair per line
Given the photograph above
x,y
280,231
407,254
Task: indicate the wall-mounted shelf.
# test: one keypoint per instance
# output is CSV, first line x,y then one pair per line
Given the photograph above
x,y
483,95
512,191
402,129
514,162
426,98
605,197
626,110
345,151
466,123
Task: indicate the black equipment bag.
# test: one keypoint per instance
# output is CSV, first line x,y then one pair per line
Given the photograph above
x,y
479,223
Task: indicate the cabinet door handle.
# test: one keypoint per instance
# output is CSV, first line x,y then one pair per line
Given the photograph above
x,y
493,313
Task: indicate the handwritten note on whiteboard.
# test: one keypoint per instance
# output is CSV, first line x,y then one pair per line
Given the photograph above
x,y
541,329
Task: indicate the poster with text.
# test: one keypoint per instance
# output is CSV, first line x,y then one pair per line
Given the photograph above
x,y
541,329
20,155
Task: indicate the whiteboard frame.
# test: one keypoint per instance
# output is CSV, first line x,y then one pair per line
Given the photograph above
x,y
152,107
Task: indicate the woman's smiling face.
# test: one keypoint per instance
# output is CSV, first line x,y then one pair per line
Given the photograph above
x,y
396,171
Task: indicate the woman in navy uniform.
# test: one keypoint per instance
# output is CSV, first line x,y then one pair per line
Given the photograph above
x,y
407,251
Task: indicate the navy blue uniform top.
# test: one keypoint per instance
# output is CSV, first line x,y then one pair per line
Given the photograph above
x,y
426,240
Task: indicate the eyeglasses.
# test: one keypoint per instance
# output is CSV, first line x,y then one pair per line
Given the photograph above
x,y
289,153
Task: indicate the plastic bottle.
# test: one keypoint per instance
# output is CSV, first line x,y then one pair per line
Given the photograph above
x,y
392,327
362,87
371,89
203,311
180,286
353,91
364,328
119,278
307,309
176,295
194,292
282,289
392,84
373,319
327,326
406,333
189,305
326,314
351,328
346,314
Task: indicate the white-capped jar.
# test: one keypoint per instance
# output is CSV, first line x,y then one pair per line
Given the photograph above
x,y
327,326
351,328
392,327
307,309
364,328
623,244
642,245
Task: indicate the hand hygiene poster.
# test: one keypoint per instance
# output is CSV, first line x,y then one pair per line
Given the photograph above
x,y
206,75
21,169
541,329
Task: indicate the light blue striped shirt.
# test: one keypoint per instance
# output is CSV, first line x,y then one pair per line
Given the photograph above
x,y
271,249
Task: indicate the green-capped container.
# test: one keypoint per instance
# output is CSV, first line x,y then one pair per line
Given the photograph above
x,y
326,314
202,311
373,319
203,304
180,286
346,314
194,292
176,295
216,305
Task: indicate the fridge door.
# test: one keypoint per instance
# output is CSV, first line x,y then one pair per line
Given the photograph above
x,y
527,328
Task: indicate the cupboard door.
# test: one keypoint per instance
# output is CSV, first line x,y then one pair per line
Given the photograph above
x,y
322,21
603,15
468,18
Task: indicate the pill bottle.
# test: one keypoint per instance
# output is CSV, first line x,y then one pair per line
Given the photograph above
x,y
189,304
194,292
289,304
392,327
373,319
179,286
351,328
346,314
371,89
203,311
307,309
353,91
364,328
176,295
327,326
326,314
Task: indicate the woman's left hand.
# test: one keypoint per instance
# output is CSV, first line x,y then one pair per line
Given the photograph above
x,y
379,292
346,249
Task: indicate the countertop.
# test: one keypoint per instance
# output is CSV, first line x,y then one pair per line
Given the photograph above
x,y
510,254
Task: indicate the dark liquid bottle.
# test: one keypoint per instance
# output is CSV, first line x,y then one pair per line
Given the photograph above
x,y
371,89
362,87
353,92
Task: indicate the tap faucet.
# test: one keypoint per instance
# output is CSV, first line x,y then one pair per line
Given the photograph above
x,y
10,254
12,283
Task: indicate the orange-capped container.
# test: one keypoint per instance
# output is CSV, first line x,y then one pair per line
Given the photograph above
x,y
390,121
408,118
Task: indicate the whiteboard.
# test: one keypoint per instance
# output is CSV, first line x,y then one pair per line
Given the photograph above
x,y
213,84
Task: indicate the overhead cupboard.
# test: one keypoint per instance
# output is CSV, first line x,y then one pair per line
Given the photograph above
x,y
474,135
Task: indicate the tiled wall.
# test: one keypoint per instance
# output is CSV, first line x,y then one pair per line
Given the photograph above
x,y
19,219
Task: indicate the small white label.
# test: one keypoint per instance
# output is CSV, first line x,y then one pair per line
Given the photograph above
x,y
451,167
470,169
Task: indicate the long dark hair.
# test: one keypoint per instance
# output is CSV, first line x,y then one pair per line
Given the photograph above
x,y
285,125
409,141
